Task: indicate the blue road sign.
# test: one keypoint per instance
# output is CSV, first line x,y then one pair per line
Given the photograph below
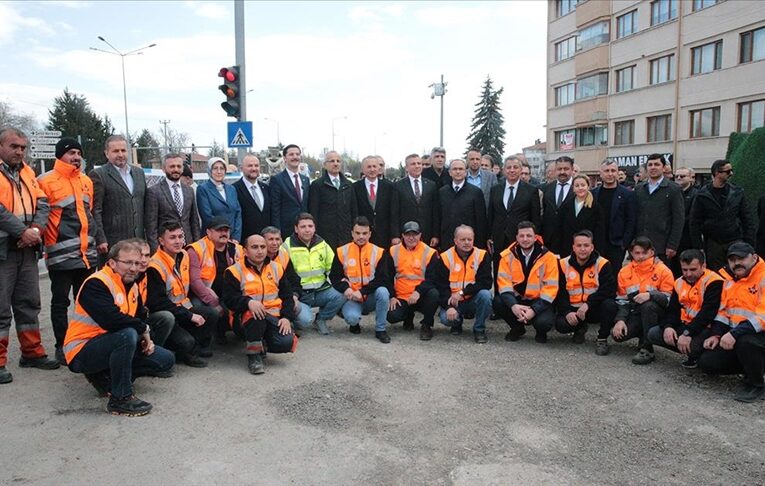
x,y
239,134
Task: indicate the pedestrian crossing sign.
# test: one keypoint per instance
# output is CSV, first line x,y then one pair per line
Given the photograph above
x,y
239,134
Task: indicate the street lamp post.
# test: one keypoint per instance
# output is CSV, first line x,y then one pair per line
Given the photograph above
x,y
439,89
123,55
333,128
278,136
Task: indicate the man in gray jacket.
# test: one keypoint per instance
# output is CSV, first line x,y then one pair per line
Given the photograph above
x,y
661,209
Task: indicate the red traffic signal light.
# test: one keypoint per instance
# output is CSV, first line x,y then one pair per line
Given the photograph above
x,y
230,88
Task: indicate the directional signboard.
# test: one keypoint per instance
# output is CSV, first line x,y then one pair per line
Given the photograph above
x,y
42,144
239,134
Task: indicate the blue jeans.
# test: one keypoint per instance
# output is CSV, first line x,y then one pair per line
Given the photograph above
x,y
120,353
329,301
479,305
352,311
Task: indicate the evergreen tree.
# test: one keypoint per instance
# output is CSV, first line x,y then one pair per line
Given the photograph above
x,y
72,115
486,132
147,148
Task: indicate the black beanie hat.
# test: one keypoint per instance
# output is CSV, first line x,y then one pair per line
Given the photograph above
x,y
65,145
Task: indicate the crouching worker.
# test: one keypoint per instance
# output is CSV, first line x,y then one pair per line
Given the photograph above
x,y
256,289
108,340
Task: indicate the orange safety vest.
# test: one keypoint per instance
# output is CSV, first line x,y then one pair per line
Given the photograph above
x,y
20,198
176,281
359,267
410,267
744,299
462,274
635,278
69,236
205,250
581,286
691,297
263,286
82,328
283,257
543,277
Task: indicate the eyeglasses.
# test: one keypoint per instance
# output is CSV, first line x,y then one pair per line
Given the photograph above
x,y
129,263
729,171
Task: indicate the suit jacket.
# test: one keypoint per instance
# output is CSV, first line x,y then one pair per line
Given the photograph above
x,y
383,215
426,212
661,215
441,180
210,203
588,218
284,204
253,219
118,213
464,207
623,217
160,208
552,218
334,209
488,180
504,223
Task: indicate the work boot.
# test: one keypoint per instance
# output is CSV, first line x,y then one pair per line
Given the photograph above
x,y
426,332
515,333
602,348
205,351
255,364
408,324
382,336
321,326
480,337
130,406
750,393
101,381
193,360
541,337
60,357
643,357
580,334
5,375
42,363
355,329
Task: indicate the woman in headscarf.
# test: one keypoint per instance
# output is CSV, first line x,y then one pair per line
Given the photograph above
x,y
216,198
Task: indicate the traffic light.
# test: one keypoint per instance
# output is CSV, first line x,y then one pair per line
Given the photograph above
x,y
230,88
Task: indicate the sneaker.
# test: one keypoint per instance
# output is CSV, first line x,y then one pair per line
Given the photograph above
x,y
750,393
580,334
426,332
60,357
643,357
690,363
321,326
602,348
101,381
42,363
382,336
354,329
541,337
255,364
480,337
515,333
130,406
5,375
456,330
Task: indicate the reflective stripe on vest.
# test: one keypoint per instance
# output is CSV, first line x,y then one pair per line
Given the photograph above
x,y
359,270
410,266
176,281
744,299
542,282
312,265
691,297
263,287
208,265
581,286
461,274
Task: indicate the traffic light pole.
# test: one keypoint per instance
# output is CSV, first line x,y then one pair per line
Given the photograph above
x,y
239,38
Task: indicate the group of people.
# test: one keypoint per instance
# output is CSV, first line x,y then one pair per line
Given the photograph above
x,y
163,273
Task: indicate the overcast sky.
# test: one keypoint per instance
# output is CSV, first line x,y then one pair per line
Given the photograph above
x,y
307,63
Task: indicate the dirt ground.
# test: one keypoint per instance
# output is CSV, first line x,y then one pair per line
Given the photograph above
x,y
346,409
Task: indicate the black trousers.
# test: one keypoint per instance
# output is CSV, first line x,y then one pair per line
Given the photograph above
x,y
257,331
428,304
61,283
542,322
614,254
656,336
640,321
603,313
747,357
187,337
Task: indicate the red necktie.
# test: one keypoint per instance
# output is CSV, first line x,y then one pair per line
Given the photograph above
x,y
297,188
372,195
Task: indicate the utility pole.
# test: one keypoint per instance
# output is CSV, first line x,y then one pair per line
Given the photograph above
x,y
439,89
239,39
164,130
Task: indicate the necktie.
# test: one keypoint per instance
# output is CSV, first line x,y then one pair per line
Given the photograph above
x,y
456,188
560,194
417,193
336,182
372,195
257,197
177,198
297,188
510,198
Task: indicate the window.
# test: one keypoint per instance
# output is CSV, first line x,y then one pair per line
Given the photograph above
x,y
565,139
752,45
624,132
592,86
699,4
564,7
705,123
594,135
625,79
663,11
592,36
751,115
659,128
565,49
626,24
706,58
564,95
663,69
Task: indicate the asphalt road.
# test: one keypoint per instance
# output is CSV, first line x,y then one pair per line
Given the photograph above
x,y
346,409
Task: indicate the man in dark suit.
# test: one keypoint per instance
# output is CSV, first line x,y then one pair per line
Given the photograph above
x,y
461,204
619,208
289,191
437,172
333,203
377,200
254,198
118,197
510,203
556,195
418,201
169,200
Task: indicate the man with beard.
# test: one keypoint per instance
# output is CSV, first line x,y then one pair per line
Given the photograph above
x,y
254,198
436,171
684,178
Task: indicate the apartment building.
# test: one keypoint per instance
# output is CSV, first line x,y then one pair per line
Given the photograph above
x,y
628,78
